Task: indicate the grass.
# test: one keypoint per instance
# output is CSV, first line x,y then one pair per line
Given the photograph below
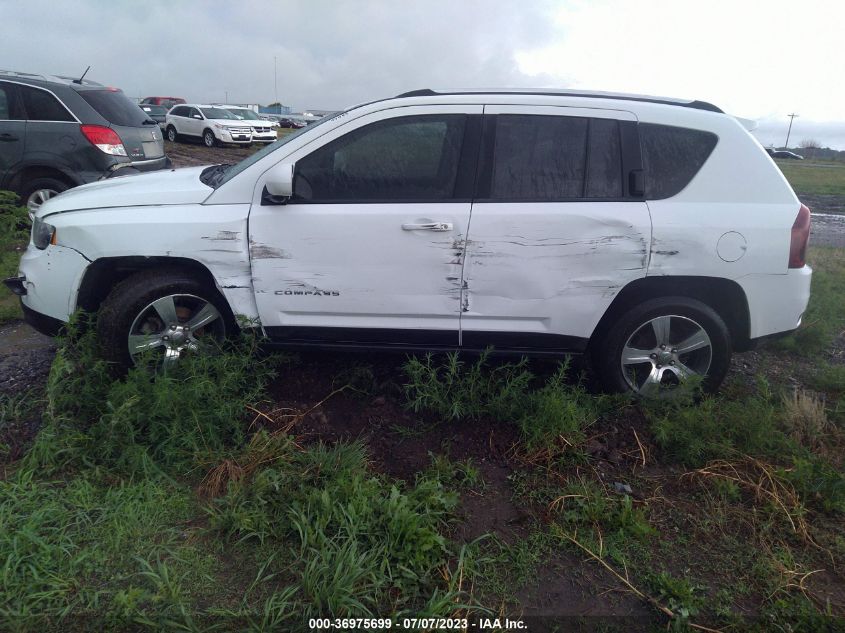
x,y
14,232
814,177
824,318
146,501
552,416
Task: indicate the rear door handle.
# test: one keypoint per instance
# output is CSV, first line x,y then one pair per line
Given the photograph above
x,y
8,137
428,226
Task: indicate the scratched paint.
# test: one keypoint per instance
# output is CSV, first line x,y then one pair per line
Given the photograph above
x,y
262,251
223,236
384,276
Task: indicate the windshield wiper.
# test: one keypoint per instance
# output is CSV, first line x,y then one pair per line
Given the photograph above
x,y
149,122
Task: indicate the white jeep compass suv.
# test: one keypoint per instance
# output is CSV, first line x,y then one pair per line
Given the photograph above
x,y
655,234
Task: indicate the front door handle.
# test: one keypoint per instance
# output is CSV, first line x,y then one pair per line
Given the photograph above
x,y
428,226
8,137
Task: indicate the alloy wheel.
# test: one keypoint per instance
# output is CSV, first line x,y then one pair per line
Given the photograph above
x,y
174,325
664,353
39,197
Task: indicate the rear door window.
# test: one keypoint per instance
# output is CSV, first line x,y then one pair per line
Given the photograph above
x,y
40,105
547,158
115,107
403,159
9,107
672,156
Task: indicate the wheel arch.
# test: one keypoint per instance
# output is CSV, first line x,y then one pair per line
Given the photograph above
x,y
25,173
103,274
724,296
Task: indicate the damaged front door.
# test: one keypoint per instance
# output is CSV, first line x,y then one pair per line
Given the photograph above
x,y
557,229
368,250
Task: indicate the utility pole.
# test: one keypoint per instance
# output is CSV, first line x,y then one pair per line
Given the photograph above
x,y
791,118
227,96
276,81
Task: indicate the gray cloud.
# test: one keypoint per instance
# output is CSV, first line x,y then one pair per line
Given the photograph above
x,y
330,54
335,53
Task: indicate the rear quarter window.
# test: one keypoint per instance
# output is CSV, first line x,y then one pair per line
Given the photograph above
x,y
672,156
115,107
40,105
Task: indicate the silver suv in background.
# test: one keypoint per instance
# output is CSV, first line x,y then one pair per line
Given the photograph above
x,y
58,132
214,125
263,131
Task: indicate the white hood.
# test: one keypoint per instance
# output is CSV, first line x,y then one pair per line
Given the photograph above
x,y
171,186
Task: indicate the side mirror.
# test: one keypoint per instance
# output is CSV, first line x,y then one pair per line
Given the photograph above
x,y
279,183
197,116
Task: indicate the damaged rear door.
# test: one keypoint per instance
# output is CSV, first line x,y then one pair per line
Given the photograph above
x,y
558,226
368,250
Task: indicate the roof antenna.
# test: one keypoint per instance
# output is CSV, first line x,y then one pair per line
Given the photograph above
x,y
79,81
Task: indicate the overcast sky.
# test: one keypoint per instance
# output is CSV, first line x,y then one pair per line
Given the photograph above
x,y
759,60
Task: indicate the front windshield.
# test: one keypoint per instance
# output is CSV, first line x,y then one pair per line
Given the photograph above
x,y
237,168
217,113
243,113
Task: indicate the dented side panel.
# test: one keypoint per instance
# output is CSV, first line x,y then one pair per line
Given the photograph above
x,y
353,265
552,267
214,236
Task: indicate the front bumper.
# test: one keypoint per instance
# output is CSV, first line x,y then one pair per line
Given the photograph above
x,y
235,137
47,325
264,138
49,280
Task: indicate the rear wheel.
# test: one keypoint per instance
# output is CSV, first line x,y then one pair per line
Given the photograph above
x,y
659,348
160,313
172,135
37,191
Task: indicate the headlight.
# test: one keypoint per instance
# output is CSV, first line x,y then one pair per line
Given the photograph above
x,y
43,234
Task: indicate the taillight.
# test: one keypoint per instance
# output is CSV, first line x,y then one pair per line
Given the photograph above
x,y
105,138
800,237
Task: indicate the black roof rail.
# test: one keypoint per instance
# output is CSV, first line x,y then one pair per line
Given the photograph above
x,y
697,105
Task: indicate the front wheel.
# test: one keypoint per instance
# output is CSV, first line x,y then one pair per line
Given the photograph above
x,y
209,139
660,348
162,314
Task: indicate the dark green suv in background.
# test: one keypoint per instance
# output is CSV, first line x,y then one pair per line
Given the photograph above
x,y
59,132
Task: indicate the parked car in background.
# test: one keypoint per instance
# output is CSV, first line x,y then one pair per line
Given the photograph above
x,y
212,124
59,132
263,131
156,113
285,122
787,154
167,102
651,234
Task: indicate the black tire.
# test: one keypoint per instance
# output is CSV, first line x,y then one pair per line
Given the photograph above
x,y
208,139
128,300
172,134
31,188
636,325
